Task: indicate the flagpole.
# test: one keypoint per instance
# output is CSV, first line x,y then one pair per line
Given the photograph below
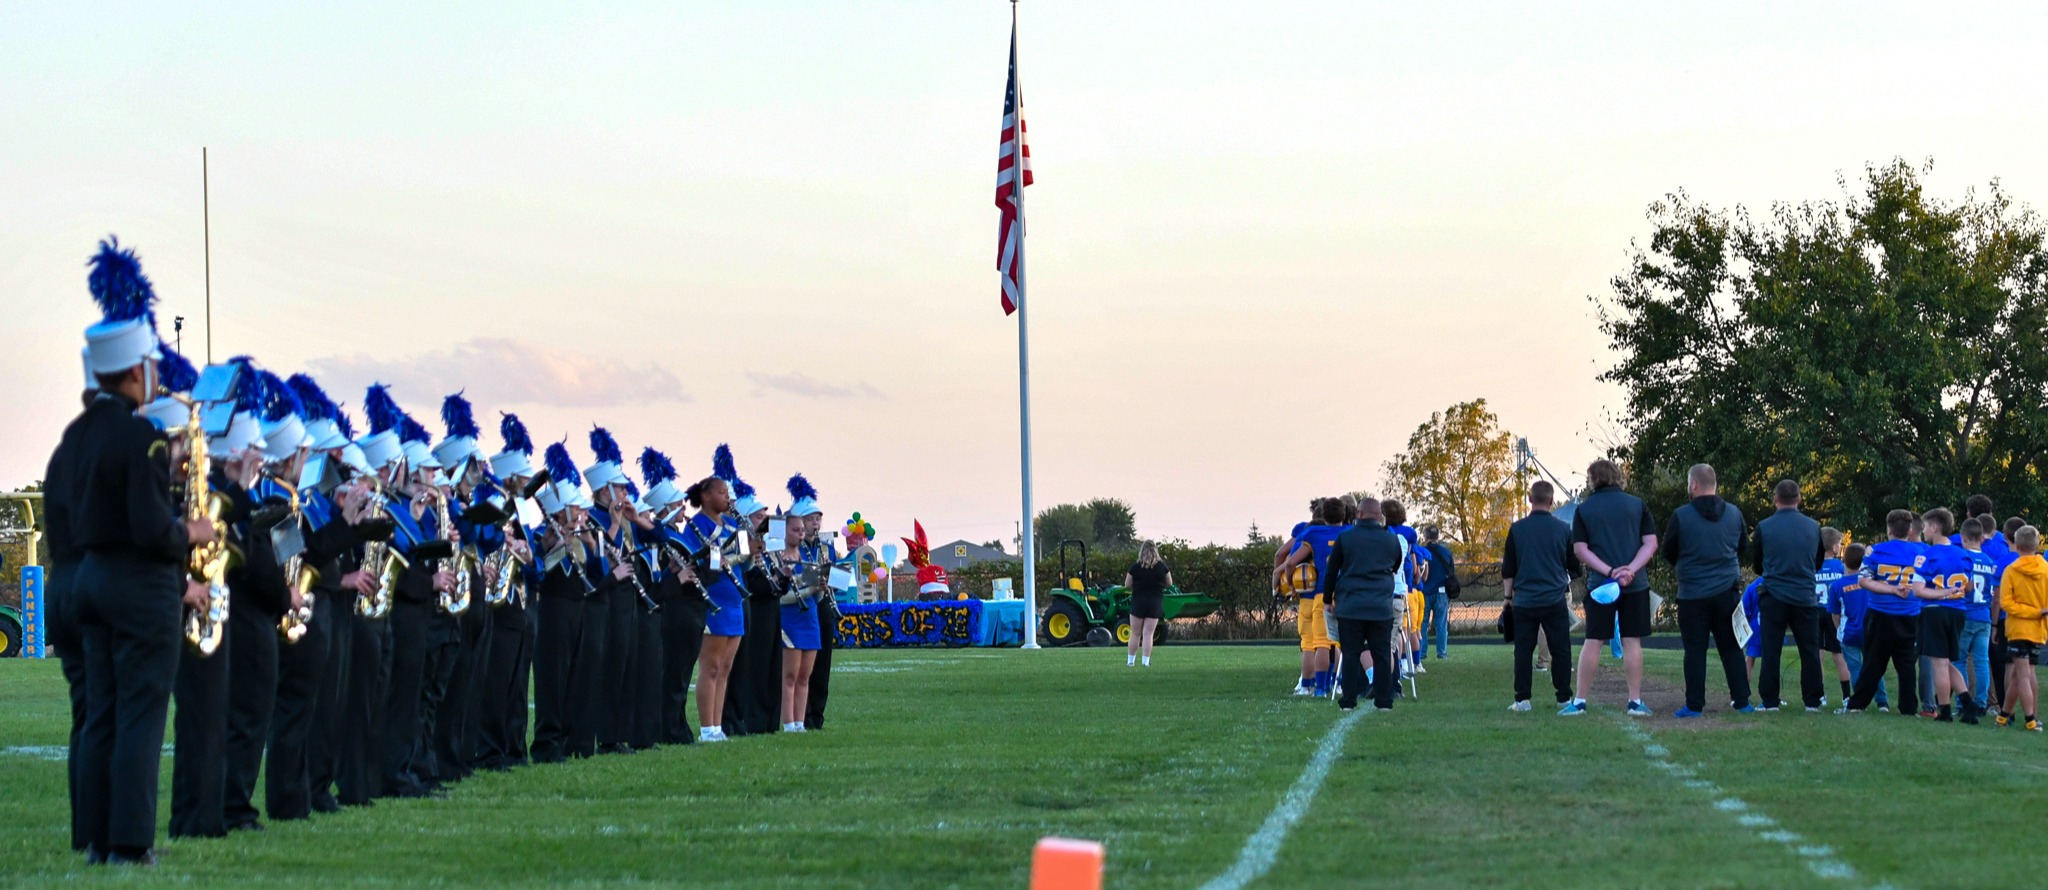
x,y
1030,546
206,228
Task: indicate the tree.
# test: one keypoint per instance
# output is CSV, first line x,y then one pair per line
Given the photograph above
x,y
1459,472
1103,523
1885,351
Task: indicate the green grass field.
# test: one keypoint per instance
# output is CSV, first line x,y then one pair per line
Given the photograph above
x,y
943,767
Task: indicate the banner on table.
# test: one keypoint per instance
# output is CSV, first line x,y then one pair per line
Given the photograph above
x,y
883,625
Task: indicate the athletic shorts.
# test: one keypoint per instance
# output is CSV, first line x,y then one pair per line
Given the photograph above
x,y
1310,621
1829,642
2027,649
1633,609
1415,608
1941,632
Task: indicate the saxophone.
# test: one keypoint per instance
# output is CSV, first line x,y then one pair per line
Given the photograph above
x,y
300,578
455,600
499,591
388,563
208,563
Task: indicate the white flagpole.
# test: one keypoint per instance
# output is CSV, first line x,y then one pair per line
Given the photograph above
x,y
1024,363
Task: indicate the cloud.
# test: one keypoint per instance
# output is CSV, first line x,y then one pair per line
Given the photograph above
x,y
500,370
804,386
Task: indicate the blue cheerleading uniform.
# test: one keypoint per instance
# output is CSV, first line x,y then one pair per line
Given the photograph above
x,y
706,538
800,626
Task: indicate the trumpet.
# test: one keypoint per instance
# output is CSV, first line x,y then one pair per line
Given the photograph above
x,y
207,563
454,600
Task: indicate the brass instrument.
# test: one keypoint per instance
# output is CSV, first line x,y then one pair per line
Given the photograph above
x,y
498,589
300,578
454,600
208,563
389,564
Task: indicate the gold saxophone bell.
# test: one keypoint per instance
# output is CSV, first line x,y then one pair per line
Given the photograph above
x,y
293,626
455,600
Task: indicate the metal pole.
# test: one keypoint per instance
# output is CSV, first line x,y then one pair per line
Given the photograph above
x,y
1024,366
206,227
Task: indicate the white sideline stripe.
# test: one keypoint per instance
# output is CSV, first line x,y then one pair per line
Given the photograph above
x,y
49,752
1263,848
1820,859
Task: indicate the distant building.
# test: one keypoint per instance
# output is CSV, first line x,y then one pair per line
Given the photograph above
x,y
960,554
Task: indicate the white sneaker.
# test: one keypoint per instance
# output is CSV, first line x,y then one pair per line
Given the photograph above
x,y
1303,690
1420,669
1130,661
1521,707
713,735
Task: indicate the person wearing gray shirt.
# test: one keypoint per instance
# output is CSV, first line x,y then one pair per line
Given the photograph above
x,y
1788,554
1536,572
1358,586
1704,543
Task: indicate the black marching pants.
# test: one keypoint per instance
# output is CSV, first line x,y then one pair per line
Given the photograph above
x,y
1705,619
359,770
441,702
402,757
1555,623
587,695
621,651
252,700
1359,635
496,692
333,613
199,759
682,632
478,626
554,651
129,620
1893,639
1776,617
301,669
647,675
70,645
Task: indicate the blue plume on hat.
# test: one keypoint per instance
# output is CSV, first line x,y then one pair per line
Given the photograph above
x,y
279,402
384,413
175,373
656,468
318,405
515,435
118,285
740,489
721,464
605,447
341,422
632,491
456,414
801,488
409,430
248,388
560,467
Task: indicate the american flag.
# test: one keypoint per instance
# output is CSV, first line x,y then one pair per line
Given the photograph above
x,y
1015,154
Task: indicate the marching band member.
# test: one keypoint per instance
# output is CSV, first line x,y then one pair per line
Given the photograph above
x,y
501,714
811,560
406,761
753,696
614,519
301,661
257,587
684,604
463,642
349,494
569,651
128,582
62,623
645,729
710,538
359,773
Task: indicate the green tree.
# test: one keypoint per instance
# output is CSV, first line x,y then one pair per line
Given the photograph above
x,y
1114,525
1885,350
1458,471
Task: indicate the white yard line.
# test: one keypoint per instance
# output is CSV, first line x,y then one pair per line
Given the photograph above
x,y
1260,851
1819,858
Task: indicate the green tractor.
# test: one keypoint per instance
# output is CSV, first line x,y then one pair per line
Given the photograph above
x,y
1077,611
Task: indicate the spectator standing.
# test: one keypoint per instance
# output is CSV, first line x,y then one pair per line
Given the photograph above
x,y
1613,535
1788,555
1358,588
1703,541
1536,572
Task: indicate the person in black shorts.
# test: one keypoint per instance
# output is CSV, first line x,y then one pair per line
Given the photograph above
x,y
1614,537
1147,579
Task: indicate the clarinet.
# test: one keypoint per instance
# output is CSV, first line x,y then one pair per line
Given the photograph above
x,y
618,555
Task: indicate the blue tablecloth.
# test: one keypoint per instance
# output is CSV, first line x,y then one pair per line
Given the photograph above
x,y
936,623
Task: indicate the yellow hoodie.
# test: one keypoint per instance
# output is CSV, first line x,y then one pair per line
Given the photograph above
x,y
2023,594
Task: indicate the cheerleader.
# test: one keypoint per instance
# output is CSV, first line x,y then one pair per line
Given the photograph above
x,y
802,611
707,538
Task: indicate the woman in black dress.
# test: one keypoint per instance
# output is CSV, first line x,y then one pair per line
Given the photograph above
x,y
1147,579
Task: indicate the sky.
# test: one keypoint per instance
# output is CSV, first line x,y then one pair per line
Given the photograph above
x,y
1266,240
